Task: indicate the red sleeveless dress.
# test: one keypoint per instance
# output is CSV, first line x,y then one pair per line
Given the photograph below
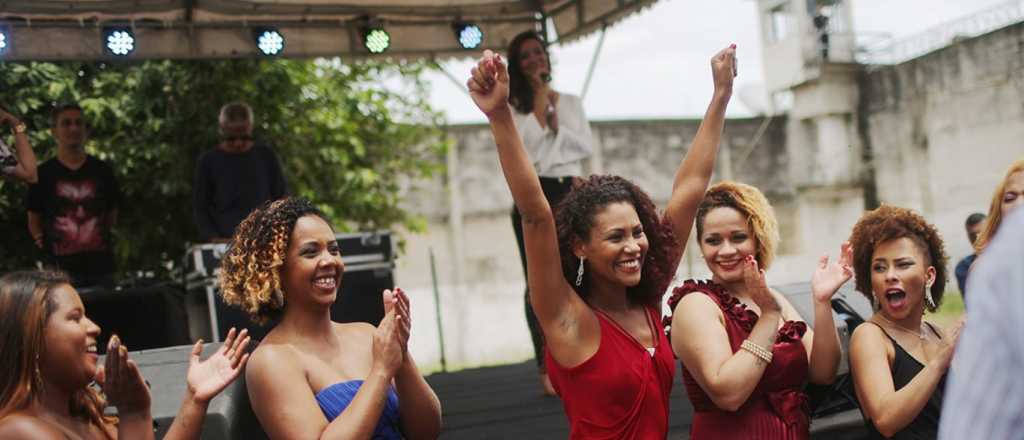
x,y
622,391
777,408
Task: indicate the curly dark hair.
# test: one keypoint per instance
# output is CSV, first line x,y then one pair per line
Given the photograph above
x,y
575,218
520,93
250,275
889,223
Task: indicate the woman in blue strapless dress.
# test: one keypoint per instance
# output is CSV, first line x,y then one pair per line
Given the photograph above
x,y
312,378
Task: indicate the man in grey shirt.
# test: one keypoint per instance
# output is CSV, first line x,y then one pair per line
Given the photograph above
x,y
985,396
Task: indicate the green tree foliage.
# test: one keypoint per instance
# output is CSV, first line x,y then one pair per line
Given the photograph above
x,y
344,141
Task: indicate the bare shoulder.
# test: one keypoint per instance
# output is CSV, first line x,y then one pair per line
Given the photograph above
x,y
271,357
696,301
867,336
22,426
867,330
696,309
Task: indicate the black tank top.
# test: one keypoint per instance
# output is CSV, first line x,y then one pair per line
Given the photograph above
x,y
904,368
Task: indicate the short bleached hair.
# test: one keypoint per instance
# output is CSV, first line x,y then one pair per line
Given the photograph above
x,y
235,112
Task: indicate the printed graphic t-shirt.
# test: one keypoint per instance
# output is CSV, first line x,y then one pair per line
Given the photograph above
x,y
75,207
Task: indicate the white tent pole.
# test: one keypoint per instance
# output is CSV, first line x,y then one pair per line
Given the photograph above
x,y
593,63
458,84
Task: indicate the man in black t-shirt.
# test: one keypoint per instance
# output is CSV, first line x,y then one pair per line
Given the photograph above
x,y
235,178
73,206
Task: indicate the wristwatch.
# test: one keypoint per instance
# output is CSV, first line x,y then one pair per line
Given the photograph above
x,y
20,128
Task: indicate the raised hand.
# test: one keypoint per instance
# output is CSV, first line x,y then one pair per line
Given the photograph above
x,y
122,381
723,69
757,286
208,378
7,118
829,277
488,84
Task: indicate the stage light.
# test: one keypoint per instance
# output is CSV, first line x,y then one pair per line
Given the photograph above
x,y
5,41
269,41
119,41
469,35
376,39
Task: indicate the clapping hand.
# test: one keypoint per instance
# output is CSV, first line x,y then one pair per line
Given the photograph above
x,y
208,378
388,343
830,276
488,84
399,301
122,381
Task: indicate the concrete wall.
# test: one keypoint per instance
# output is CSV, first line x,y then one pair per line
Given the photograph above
x,y
944,127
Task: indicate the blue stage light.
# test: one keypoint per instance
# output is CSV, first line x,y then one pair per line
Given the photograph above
x,y
119,41
469,35
269,41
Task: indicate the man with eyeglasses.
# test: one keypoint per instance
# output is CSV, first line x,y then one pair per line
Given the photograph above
x,y
73,205
234,178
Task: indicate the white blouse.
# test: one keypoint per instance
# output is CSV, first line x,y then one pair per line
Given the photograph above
x,y
561,154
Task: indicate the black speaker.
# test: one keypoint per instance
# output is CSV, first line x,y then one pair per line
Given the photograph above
x,y
144,317
229,416
359,300
369,270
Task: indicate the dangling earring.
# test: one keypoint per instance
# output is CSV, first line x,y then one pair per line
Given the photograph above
x,y
874,303
929,301
37,377
579,274
278,298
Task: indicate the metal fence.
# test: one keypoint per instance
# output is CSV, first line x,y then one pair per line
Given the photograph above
x,y
886,50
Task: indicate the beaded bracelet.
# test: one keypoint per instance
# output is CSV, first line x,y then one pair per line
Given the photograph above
x,y
757,350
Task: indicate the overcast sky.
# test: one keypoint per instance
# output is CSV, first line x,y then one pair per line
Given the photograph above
x,y
655,63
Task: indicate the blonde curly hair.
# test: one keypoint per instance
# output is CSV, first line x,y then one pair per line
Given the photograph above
x,y
250,276
750,202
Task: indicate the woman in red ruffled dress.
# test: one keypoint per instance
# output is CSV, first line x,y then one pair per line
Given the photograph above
x,y
746,352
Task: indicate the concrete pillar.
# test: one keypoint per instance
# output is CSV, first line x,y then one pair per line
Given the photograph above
x,y
455,220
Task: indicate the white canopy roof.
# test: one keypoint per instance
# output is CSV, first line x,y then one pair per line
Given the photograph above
x,y
182,29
